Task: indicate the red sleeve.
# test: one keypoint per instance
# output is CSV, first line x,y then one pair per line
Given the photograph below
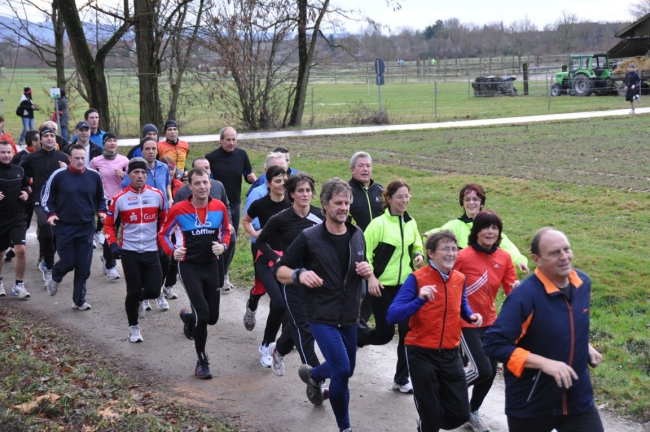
x,y
510,275
109,223
225,225
166,230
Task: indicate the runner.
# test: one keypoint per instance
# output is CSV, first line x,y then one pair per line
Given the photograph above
x,y
39,166
486,268
285,226
205,234
112,168
329,260
139,208
173,147
393,247
72,197
263,209
13,229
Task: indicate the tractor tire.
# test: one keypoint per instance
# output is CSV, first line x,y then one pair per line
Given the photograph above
x,y
556,90
582,85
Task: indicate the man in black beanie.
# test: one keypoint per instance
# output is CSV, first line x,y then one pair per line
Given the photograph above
x,y
148,131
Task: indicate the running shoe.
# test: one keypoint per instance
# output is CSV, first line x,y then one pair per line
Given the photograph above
x,y
100,238
134,334
169,293
266,359
637,97
19,291
95,241
83,307
325,391
187,327
43,268
162,303
142,310
314,393
227,286
110,272
249,318
277,360
10,255
146,304
53,287
632,111
403,388
476,423
347,430
2,289
202,370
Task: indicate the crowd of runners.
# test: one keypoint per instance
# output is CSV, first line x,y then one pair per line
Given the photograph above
x,y
326,269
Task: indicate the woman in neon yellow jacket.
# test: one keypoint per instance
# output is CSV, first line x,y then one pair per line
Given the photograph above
x,y
472,200
394,249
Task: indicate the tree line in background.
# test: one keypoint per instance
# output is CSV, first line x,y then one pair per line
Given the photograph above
x,y
256,54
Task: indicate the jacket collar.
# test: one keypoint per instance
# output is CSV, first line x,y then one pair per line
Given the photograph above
x,y
406,216
550,287
358,183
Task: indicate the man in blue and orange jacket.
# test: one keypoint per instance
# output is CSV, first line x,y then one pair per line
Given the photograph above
x,y
542,337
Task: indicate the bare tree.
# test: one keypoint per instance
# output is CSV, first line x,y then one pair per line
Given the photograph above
x,y
522,37
565,28
640,8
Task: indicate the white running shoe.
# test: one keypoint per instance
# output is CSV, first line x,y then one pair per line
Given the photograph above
x,y
632,111
134,334
146,304
249,319
113,274
48,277
227,286
83,307
101,238
2,289
43,268
95,241
277,360
162,303
53,287
142,310
476,423
405,388
637,97
169,293
19,291
266,358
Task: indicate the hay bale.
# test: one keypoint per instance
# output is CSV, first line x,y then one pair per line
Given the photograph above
x,y
641,63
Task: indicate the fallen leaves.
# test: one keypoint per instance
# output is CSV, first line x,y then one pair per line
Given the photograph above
x,y
30,406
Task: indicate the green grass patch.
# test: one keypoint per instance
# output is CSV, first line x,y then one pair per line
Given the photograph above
x,y
48,383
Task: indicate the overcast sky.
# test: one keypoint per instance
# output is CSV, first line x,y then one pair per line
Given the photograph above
x,y
417,14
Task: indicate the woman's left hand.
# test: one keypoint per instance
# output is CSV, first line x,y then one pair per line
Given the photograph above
x,y
418,261
477,319
524,268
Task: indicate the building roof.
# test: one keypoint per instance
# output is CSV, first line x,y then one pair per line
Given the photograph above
x,y
631,47
640,27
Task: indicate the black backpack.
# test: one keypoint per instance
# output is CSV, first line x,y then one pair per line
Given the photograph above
x,y
19,111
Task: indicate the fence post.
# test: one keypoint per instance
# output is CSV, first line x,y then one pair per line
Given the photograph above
x,y
548,93
525,67
311,123
435,99
469,81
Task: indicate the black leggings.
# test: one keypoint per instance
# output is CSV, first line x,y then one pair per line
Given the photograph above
x,y
143,279
45,237
201,282
298,331
276,306
383,332
483,370
588,421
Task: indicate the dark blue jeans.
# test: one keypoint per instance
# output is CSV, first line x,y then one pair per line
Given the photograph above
x,y
74,244
339,347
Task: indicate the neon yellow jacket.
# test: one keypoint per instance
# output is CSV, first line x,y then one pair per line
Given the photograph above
x,y
391,244
461,229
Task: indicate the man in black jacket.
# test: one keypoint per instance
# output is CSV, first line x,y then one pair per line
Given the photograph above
x,y
330,259
632,87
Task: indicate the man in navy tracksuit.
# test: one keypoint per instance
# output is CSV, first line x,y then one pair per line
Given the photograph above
x,y
72,197
542,338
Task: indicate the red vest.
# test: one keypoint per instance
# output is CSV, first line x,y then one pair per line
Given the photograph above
x,y
437,324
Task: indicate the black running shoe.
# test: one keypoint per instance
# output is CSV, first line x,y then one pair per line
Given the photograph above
x,y
187,327
10,255
314,393
202,370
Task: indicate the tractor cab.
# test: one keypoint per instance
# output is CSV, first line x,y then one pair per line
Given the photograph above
x,y
586,74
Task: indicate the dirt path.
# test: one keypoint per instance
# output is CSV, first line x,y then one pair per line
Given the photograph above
x,y
242,392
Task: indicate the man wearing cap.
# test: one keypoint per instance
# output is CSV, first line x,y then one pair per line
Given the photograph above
x,y
72,197
38,167
148,130
83,139
632,87
112,169
91,117
174,148
26,112
140,208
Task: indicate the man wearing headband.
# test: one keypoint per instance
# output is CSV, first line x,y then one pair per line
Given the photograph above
x,y
112,169
72,198
174,148
140,208
38,167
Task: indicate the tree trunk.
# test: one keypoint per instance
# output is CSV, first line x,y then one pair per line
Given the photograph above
x,y
59,49
148,63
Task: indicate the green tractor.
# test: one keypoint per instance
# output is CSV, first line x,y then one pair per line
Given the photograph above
x,y
587,74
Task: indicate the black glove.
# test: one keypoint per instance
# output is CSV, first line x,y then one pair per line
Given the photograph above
x,y
116,251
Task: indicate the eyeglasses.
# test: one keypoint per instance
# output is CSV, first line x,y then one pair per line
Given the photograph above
x,y
448,249
402,197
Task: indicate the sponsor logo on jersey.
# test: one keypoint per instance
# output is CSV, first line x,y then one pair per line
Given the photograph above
x,y
203,231
132,198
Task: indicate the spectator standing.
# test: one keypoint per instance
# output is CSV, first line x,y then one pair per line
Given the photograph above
x,y
63,115
26,110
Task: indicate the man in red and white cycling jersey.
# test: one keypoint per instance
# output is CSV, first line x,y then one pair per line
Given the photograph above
x,y
140,208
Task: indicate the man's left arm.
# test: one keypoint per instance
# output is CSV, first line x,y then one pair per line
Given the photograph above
x,y
100,199
248,173
289,270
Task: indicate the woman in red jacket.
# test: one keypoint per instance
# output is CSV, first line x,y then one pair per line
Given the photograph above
x,y
486,268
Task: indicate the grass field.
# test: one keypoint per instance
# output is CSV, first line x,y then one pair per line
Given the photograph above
x,y
586,178
333,104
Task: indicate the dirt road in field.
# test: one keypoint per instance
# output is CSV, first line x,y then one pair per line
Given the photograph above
x,y
242,392
408,127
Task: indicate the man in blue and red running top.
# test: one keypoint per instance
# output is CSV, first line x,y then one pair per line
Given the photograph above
x,y
140,208
204,237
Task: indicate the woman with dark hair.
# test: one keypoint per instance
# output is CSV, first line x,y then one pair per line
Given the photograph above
x,y
486,268
286,226
472,200
263,209
394,249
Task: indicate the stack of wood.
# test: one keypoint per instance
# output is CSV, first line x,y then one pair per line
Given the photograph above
x,y
641,63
